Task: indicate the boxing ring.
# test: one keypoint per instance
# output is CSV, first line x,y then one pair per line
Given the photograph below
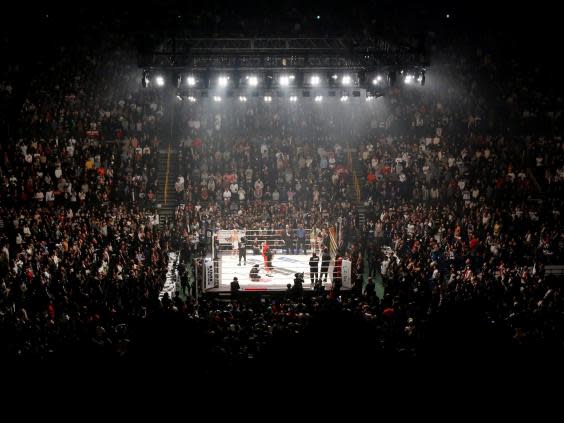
x,y
287,261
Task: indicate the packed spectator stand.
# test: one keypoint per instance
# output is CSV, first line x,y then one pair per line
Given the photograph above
x,y
462,179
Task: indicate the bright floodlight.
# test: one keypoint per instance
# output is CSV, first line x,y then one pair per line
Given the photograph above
x,y
315,80
159,80
318,98
242,98
222,81
267,98
216,98
420,78
346,80
284,81
369,98
191,81
253,81
192,99
408,79
344,98
293,98
377,80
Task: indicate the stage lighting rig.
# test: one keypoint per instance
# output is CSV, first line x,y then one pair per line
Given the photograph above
x,y
220,69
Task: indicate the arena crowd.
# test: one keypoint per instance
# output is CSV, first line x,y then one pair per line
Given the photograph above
x,y
462,180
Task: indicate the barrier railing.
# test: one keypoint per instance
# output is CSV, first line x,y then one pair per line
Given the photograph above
x,y
167,173
356,186
333,239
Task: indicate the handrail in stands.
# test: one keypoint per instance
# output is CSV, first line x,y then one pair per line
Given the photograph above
x,y
167,173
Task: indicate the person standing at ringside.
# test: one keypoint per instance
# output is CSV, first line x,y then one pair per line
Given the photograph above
x,y
242,247
325,262
235,288
314,269
288,239
301,235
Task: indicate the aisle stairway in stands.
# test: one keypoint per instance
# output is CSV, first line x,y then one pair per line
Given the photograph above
x,y
166,194
359,196
359,190
361,213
